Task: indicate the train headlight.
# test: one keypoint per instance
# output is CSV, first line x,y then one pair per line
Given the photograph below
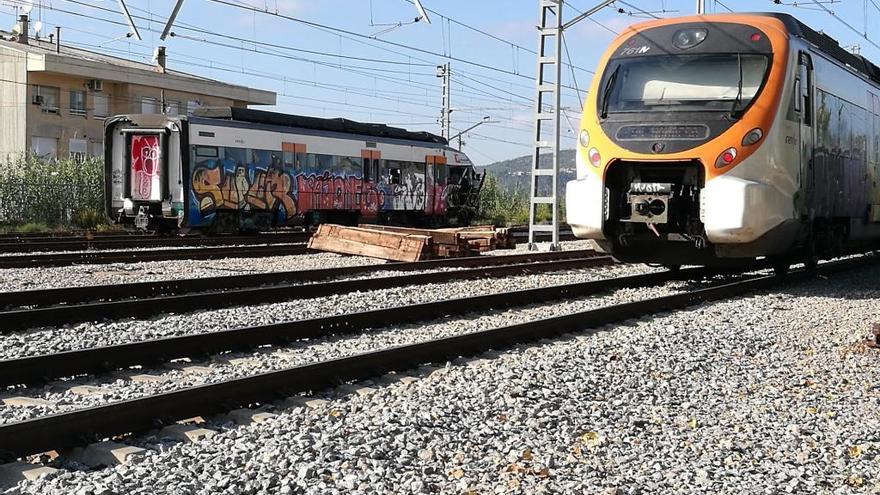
x,y
584,138
726,158
595,157
752,137
689,38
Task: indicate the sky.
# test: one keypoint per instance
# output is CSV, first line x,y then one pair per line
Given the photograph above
x,y
330,58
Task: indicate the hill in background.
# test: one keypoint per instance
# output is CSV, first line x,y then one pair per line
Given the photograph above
x,y
513,174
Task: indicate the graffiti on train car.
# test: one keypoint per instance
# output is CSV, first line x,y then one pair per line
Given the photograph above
x,y
333,192
145,166
410,193
260,189
265,184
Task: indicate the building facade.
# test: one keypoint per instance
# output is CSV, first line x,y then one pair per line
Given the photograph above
x,y
54,98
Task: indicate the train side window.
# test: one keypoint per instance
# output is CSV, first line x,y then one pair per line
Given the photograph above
x,y
440,173
805,98
393,171
797,94
207,151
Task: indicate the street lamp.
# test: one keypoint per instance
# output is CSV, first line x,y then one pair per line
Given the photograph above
x,y
485,120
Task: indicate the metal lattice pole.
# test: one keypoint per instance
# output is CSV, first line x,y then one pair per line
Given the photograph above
x,y
445,114
547,118
548,114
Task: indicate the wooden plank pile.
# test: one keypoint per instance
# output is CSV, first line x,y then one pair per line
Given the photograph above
x,y
409,244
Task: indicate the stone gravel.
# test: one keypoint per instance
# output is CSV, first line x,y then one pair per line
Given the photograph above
x,y
17,279
244,364
84,335
769,393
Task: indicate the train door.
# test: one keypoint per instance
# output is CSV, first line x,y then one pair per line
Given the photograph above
x,y
805,107
435,175
371,165
370,196
146,171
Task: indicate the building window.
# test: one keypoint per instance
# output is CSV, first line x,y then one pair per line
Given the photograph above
x,y
191,106
172,108
97,148
47,98
44,146
78,103
149,105
102,106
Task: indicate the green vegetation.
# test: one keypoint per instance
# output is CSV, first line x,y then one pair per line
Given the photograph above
x,y
504,199
502,207
505,207
38,195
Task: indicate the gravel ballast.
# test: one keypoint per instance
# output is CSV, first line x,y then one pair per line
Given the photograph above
x,y
239,365
84,335
769,393
17,279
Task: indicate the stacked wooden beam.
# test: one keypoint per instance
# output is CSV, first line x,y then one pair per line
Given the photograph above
x,y
409,244
372,243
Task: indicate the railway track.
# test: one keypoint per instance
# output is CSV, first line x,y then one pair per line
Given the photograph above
x,y
82,243
135,256
34,243
32,308
122,418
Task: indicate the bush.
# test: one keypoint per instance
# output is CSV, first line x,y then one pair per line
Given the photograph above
x,y
500,207
30,228
88,218
61,193
510,207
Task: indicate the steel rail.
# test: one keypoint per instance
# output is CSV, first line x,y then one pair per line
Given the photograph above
x,y
38,369
70,295
97,257
21,319
5,237
64,430
132,241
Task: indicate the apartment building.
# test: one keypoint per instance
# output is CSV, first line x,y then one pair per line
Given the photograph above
x,y
54,98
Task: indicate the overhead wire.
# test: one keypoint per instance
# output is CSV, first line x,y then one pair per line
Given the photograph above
x,y
355,91
848,25
490,35
392,43
351,68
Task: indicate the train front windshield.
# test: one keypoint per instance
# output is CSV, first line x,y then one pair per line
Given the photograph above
x,y
672,83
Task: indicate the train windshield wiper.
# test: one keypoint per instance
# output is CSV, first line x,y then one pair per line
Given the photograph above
x,y
734,110
607,92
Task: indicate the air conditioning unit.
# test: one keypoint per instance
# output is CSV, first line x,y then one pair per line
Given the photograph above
x,y
37,100
96,85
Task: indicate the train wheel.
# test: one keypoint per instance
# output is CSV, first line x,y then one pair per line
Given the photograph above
x,y
781,266
811,259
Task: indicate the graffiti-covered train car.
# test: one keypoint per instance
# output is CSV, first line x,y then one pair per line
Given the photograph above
x,y
236,169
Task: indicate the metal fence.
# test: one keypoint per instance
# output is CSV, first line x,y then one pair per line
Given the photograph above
x,y
48,203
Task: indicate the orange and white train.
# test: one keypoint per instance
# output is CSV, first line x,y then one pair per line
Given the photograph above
x,y
719,139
